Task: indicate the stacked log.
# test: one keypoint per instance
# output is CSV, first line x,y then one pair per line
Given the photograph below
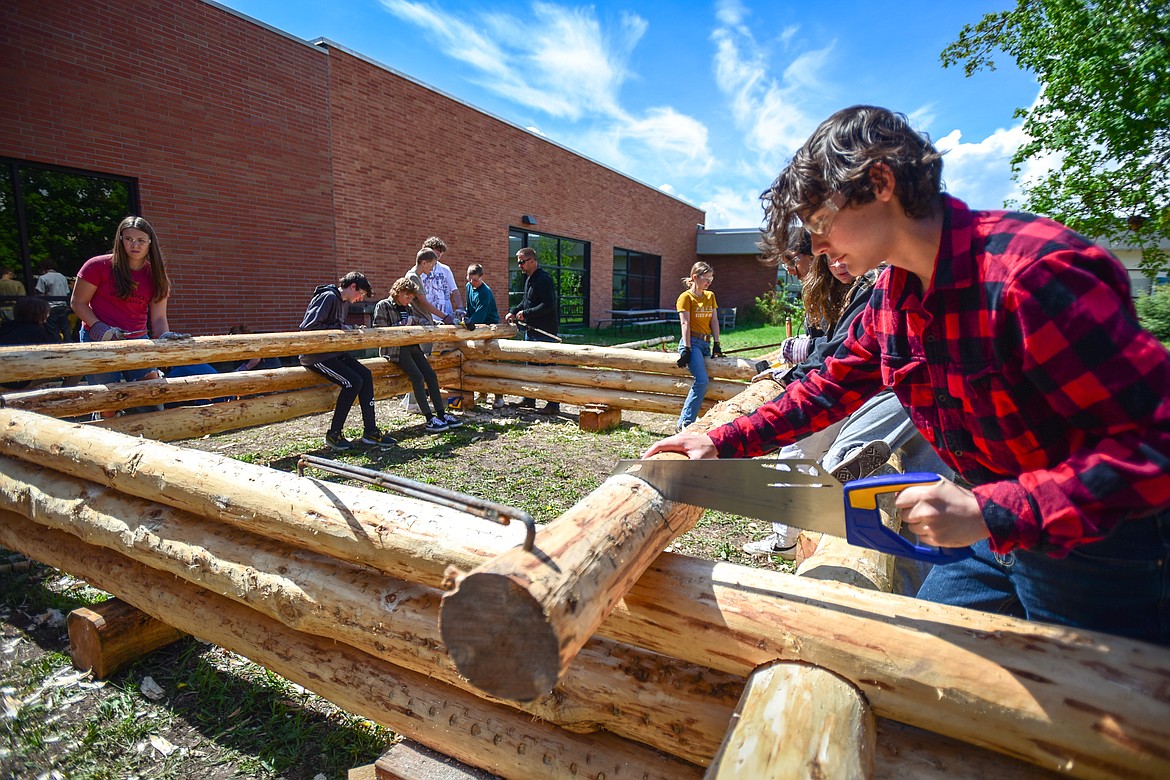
x,y
1084,703
349,584
620,378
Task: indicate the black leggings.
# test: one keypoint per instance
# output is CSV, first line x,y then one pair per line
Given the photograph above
x,y
422,378
356,382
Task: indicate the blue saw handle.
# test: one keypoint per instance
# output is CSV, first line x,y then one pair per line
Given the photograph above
x,y
863,522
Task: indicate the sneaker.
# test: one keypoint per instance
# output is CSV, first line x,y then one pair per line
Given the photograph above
x,y
378,439
335,441
498,403
772,544
452,421
434,425
862,462
549,409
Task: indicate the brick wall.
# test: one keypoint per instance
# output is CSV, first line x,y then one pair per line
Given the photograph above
x,y
223,123
268,165
410,162
740,279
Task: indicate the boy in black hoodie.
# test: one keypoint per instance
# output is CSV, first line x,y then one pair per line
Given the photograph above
x,y
327,310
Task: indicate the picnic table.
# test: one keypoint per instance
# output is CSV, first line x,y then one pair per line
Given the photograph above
x,y
660,319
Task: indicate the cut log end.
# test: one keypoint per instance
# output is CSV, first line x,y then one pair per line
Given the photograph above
x,y
499,638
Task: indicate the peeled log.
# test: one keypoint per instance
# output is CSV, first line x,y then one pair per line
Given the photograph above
x,y
579,396
456,723
671,705
189,422
542,605
406,537
998,682
794,721
602,378
38,362
84,399
1079,702
602,357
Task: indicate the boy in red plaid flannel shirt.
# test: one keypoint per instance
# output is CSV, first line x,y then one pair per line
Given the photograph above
x,y
1013,344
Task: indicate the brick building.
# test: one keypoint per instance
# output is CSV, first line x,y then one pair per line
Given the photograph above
x,y
269,164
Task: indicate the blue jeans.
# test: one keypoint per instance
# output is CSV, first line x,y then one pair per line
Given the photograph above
x,y
111,377
1119,585
700,350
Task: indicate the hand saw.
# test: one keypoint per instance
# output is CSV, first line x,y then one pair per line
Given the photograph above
x,y
793,491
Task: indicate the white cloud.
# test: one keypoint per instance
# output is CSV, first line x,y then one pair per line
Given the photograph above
x,y
772,112
562,61
980,172
729,208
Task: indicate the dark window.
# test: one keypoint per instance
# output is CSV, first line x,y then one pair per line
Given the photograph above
x,y
60,214
566,260
636,279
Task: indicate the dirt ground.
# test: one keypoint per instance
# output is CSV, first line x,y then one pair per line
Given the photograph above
x,y
208,713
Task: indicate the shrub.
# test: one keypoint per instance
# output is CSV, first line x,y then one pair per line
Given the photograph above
x,y
1154,312
774,308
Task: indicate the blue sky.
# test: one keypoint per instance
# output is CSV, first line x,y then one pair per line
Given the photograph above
x,y
705,100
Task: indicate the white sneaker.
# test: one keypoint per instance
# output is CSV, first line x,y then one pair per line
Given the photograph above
x,y
774,544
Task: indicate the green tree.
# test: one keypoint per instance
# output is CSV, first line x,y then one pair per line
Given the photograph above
x,y
1104,113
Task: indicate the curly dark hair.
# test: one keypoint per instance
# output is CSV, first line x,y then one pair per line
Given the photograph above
x,y
839,157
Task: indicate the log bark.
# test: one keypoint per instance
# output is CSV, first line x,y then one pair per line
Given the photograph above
x,y
20,363
674,706
543,604
602,379
405,537
84,399
107,636
796,720
579,396
477,732
602,357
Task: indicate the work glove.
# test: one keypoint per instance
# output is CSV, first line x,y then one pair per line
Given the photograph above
x,y
100,331
716,350
684,357
449,320
795,349
460,315
171,335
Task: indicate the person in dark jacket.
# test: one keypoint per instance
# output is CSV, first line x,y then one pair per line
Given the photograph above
x,y
328,310
27,326
536,312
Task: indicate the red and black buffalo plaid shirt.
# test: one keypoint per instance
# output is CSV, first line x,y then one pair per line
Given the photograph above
x,y
1023,364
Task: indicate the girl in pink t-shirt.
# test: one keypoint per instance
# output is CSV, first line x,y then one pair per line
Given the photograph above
x,y
123,295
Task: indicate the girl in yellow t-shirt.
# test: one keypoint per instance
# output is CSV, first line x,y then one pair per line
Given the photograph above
x,y
700,327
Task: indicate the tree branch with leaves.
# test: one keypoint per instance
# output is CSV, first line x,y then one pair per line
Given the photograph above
x,y
1103,113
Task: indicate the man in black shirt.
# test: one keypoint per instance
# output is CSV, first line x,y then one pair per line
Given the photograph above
x,y
537,311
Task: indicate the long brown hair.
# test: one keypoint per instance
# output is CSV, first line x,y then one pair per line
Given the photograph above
x,y
824,295
123,281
